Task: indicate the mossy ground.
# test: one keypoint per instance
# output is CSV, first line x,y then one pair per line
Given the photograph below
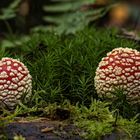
x,y
63,68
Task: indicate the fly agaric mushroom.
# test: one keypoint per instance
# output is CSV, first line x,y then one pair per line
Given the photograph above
x,y
119,69
15,82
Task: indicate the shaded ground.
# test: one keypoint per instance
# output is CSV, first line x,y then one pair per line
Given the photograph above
x,y
43,129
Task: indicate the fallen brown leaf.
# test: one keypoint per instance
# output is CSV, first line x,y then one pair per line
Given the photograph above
x,y
47,129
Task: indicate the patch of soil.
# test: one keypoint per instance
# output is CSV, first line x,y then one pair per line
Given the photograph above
x,y
43,129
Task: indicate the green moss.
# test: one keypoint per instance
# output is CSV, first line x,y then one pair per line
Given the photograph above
x,y
94,122
63,67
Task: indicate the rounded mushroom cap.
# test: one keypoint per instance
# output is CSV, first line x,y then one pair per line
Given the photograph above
x,y
119,69
15,82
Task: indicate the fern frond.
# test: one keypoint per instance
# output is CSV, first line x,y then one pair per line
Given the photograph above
x,y
69,16
10,11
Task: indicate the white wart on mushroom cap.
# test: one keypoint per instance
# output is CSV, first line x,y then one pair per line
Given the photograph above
x,y
15,81
119,69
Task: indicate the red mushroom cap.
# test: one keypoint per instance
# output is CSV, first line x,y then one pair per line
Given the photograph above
x,y
119,69
15,81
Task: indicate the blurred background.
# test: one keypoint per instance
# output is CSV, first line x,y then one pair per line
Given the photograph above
x,y
66,16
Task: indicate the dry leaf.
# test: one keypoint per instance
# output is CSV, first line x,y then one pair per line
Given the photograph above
x,y
47,129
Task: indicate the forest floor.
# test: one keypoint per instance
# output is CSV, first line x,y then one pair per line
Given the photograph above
x,y
42,129
47,129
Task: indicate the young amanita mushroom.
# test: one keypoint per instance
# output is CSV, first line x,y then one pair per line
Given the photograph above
x,y
119,69
15,82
